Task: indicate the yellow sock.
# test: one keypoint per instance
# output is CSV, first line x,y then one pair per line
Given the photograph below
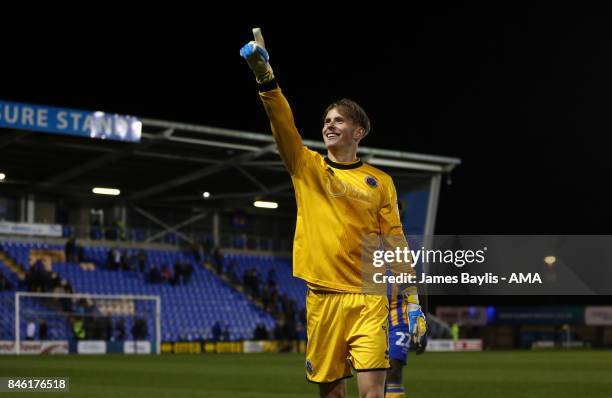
x,y
394,390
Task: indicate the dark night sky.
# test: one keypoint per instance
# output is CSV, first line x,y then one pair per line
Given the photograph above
x,y
520,94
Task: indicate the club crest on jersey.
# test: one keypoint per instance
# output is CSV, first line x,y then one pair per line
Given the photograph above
x,y
309,367
371,181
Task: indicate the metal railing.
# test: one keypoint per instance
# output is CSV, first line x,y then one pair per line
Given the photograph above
x,y
235,241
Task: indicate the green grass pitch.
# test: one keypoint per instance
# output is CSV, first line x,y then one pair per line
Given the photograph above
x,y
513,374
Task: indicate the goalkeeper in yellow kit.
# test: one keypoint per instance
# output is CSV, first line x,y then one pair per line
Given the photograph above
x,y
340,200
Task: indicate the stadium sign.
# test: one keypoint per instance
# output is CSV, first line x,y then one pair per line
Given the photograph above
x,y
540,315
446,345
34,347
137,347
91,347
88,124
249,347
30,229
464,316
598,316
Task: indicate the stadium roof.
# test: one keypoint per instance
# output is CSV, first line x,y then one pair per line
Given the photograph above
x,y
173,165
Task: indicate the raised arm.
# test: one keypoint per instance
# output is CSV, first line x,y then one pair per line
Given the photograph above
x,y
285,133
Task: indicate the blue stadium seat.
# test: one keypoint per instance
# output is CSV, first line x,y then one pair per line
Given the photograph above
x,y
186,309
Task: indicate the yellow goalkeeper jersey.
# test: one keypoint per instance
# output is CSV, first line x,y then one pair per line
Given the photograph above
x,y
338,204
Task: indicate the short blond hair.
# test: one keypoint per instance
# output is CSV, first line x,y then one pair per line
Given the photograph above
x,y
351,110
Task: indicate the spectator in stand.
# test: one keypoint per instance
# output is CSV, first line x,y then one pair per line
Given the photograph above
x,y
80,254
187,271
291,309
120,330
42,331
125,260
216,331
178,273
67,287
279,331
65,302
265,298
274,302
120,227
113,259
260,332
198,251
77,329
107,325
49,280
154,275
284,333
116,258
56,284
70,250
226,333
301,332
284,298
142,260
32,277
288,306
290,330
271,279
81,305
4,283
38,279
252,282
206,245
30,330
96,230
231,273
132,261
218,260
139,330
110,233
248,282
166,274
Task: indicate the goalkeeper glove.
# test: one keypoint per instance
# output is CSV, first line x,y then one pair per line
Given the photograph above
x,y
256,56
417,327
417,323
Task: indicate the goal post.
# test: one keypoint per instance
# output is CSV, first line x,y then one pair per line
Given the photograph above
x,y
120,322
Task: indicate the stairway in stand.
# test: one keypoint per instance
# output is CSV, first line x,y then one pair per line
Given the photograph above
x,y
12,265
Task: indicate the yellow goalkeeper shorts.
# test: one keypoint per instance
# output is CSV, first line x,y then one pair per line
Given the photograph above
x,y
345,330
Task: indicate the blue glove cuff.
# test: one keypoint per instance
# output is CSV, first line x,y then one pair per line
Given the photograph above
x,y
250,48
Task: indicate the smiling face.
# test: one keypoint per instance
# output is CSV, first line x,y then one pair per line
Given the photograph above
x,y
340,131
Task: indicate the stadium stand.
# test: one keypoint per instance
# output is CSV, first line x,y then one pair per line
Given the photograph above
x,y
189,310
286,283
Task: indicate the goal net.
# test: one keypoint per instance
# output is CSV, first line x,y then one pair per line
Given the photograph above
x,y
89,323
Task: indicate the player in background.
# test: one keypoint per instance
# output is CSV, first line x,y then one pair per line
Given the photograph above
x,y
400,342
340,200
